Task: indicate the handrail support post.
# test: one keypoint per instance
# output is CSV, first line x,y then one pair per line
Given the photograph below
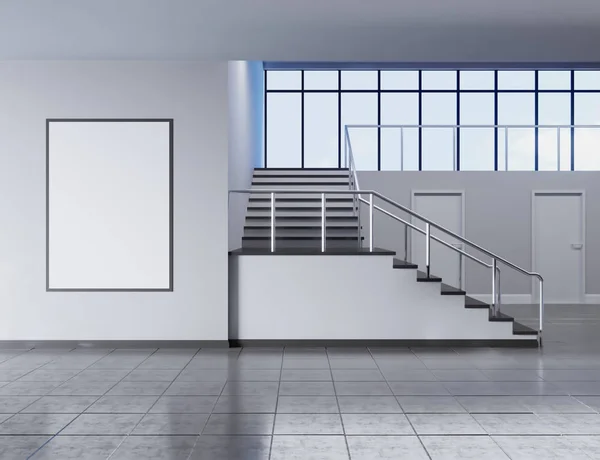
x,y
323,221
427,248
272,221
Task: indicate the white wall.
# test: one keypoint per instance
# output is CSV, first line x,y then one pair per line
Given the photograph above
x,y
246,122
194,94
347,298
497,214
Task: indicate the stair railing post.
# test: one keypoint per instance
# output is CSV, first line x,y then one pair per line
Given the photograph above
x,y
541,325
272,222
499,289
494,274
323,226
371,222
428,248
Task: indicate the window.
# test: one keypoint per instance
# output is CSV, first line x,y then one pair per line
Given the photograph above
x,y
487,119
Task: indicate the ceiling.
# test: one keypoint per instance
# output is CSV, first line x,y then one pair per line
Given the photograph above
x,y
302,30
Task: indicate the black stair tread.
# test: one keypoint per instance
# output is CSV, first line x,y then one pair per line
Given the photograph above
x,y
294,175
301,227
302,208
451,290
500,317
521,329
291,185
301,238
301,169
423,278
303,218
470,302
302,200
314,251
403,264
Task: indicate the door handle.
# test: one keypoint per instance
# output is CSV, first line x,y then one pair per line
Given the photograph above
x,y
577,246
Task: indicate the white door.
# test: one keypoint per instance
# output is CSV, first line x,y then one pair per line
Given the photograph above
x,y
558,245
446,209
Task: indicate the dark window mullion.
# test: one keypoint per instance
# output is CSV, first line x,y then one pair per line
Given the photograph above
x,y
458,120
536,122
572,120
341,134
265,122
302,119
496,120
378,120
420,120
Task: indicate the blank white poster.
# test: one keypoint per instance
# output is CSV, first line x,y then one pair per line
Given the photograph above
x,y
109,205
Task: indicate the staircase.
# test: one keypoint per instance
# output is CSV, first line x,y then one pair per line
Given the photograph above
x,y
298,216
298,220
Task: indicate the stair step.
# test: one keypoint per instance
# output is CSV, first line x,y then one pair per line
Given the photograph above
x,y
297,238
301,171
500,317
350,251
423,278
302,218
303,233
339,208
328,227
403,264
298,179
451,290
316,184
521,329
293,198
470,302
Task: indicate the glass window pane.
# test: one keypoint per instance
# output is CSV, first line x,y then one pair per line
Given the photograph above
x,y
439,79
399,79
283,130
284,79
476,144
516,145
361,109
321,130
400,148
477,79
554,109
359,79
321,79
587,140
516,79
438,144
554,79
587,79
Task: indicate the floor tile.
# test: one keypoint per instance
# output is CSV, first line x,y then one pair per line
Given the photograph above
x,y
155,448
232,447
245,404
554,405
122,404
460,375
151,375
502,388
462,447
60,404
251,388
48,375
307,405
493,404
79,388
184,405
516,424
430,405
368,404
195,389
306,363
307,389
512,375
20,447
239,424
589,445
202,375
386,448
573,424
445,424
309,448
357,375
79,448
362,389
253,375
418,389
352,363
539,447
14,404
102,424
35,424
171,424
139,389
308,424
296,375
376,424
408,375
90,375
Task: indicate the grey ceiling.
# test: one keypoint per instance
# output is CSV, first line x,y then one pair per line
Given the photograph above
x,y
302,30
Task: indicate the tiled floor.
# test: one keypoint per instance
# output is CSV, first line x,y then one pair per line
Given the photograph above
x,y
308,404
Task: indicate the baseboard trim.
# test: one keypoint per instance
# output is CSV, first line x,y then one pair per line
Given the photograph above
x,y
20,344
508,299
495,343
